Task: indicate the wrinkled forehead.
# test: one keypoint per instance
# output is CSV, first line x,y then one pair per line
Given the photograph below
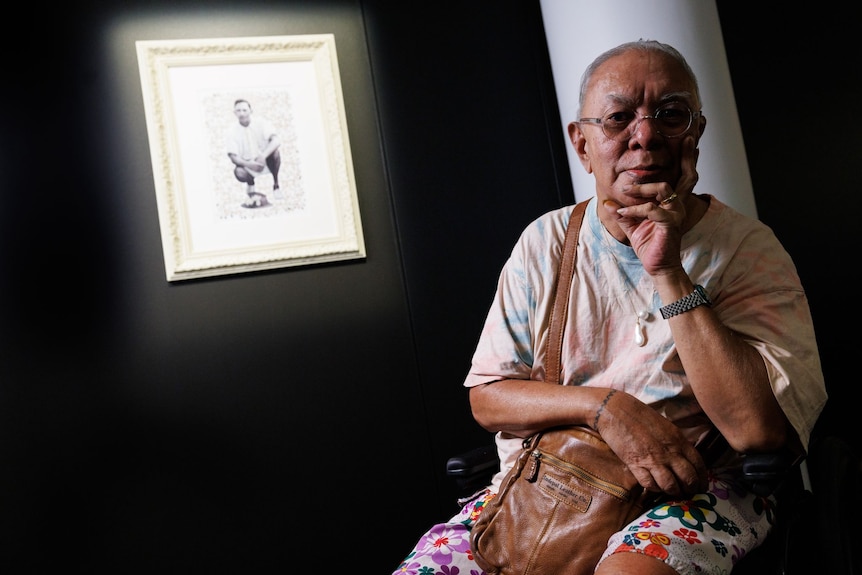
x,y
637,78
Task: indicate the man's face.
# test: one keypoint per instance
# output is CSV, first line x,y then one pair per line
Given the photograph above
x,y
243,113
638,82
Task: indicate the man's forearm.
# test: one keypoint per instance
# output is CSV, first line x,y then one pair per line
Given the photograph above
x,y
274,143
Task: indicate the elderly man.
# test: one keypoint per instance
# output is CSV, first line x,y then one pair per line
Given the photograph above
x,y
685,317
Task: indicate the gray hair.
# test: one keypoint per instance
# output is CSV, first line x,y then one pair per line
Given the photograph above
x,y
643,46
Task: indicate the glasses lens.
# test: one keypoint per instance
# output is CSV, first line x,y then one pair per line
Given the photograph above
x,y
671,120
619,124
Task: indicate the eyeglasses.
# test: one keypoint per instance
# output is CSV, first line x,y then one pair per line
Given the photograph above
x,y
671,121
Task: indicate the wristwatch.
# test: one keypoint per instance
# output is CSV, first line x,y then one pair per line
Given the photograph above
x,y
696,298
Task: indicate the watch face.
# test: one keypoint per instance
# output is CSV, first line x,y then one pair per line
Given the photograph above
x,y
702,293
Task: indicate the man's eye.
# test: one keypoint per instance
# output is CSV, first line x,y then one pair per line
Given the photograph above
x,y
672,115
621,118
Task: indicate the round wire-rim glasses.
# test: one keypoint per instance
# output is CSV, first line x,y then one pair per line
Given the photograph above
x,y
671,120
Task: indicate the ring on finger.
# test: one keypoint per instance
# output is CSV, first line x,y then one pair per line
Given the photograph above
x,y
669,199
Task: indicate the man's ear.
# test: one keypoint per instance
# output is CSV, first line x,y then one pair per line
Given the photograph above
x,y
579,142
701,128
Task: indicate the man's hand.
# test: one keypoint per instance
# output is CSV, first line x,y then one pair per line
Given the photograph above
x,y
654,227
654,449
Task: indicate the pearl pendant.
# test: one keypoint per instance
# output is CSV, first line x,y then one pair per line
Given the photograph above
x,y
640,332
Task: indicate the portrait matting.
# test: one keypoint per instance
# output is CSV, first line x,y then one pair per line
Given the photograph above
x,y
306,211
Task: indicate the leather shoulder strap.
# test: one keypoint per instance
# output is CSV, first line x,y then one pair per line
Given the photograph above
x,y
561,296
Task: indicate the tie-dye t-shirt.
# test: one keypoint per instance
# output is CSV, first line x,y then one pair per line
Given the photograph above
x,y
752,281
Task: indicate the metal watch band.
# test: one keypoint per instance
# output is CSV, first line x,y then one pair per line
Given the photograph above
x,y
696,298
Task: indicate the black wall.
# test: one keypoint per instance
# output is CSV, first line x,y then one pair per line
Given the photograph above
x,y
241,422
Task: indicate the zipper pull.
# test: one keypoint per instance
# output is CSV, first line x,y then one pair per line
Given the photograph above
x,y
533,469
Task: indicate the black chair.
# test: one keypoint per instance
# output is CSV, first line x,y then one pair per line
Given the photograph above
x,y
813,531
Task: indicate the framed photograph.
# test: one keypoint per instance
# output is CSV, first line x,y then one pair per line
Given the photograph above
x,y
250,153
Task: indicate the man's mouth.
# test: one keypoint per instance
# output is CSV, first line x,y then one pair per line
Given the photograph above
x,y
644,174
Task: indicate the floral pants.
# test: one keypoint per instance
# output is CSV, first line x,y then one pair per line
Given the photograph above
x,y
707,533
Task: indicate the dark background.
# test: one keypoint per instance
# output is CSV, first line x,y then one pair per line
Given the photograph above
x,y
251,422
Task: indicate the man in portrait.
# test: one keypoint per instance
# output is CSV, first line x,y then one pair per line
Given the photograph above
x,y
253,146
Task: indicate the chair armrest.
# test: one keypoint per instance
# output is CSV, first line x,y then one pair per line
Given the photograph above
x,y
474,468
764,473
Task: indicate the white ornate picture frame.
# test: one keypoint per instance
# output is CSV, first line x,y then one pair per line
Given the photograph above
x,y
207,227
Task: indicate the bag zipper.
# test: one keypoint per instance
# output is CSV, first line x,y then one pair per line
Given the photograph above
x,y
536,455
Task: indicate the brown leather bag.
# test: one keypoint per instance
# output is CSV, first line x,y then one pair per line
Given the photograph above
x,y
557,507
568,492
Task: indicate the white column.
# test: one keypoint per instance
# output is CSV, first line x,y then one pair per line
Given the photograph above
x,y
579,30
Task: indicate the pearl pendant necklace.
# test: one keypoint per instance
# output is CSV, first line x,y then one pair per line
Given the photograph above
x,y
640,332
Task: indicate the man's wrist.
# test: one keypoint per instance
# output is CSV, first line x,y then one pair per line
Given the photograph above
x,y
602,408
696,298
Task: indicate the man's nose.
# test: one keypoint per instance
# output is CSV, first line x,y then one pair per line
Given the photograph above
x,y
644,129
